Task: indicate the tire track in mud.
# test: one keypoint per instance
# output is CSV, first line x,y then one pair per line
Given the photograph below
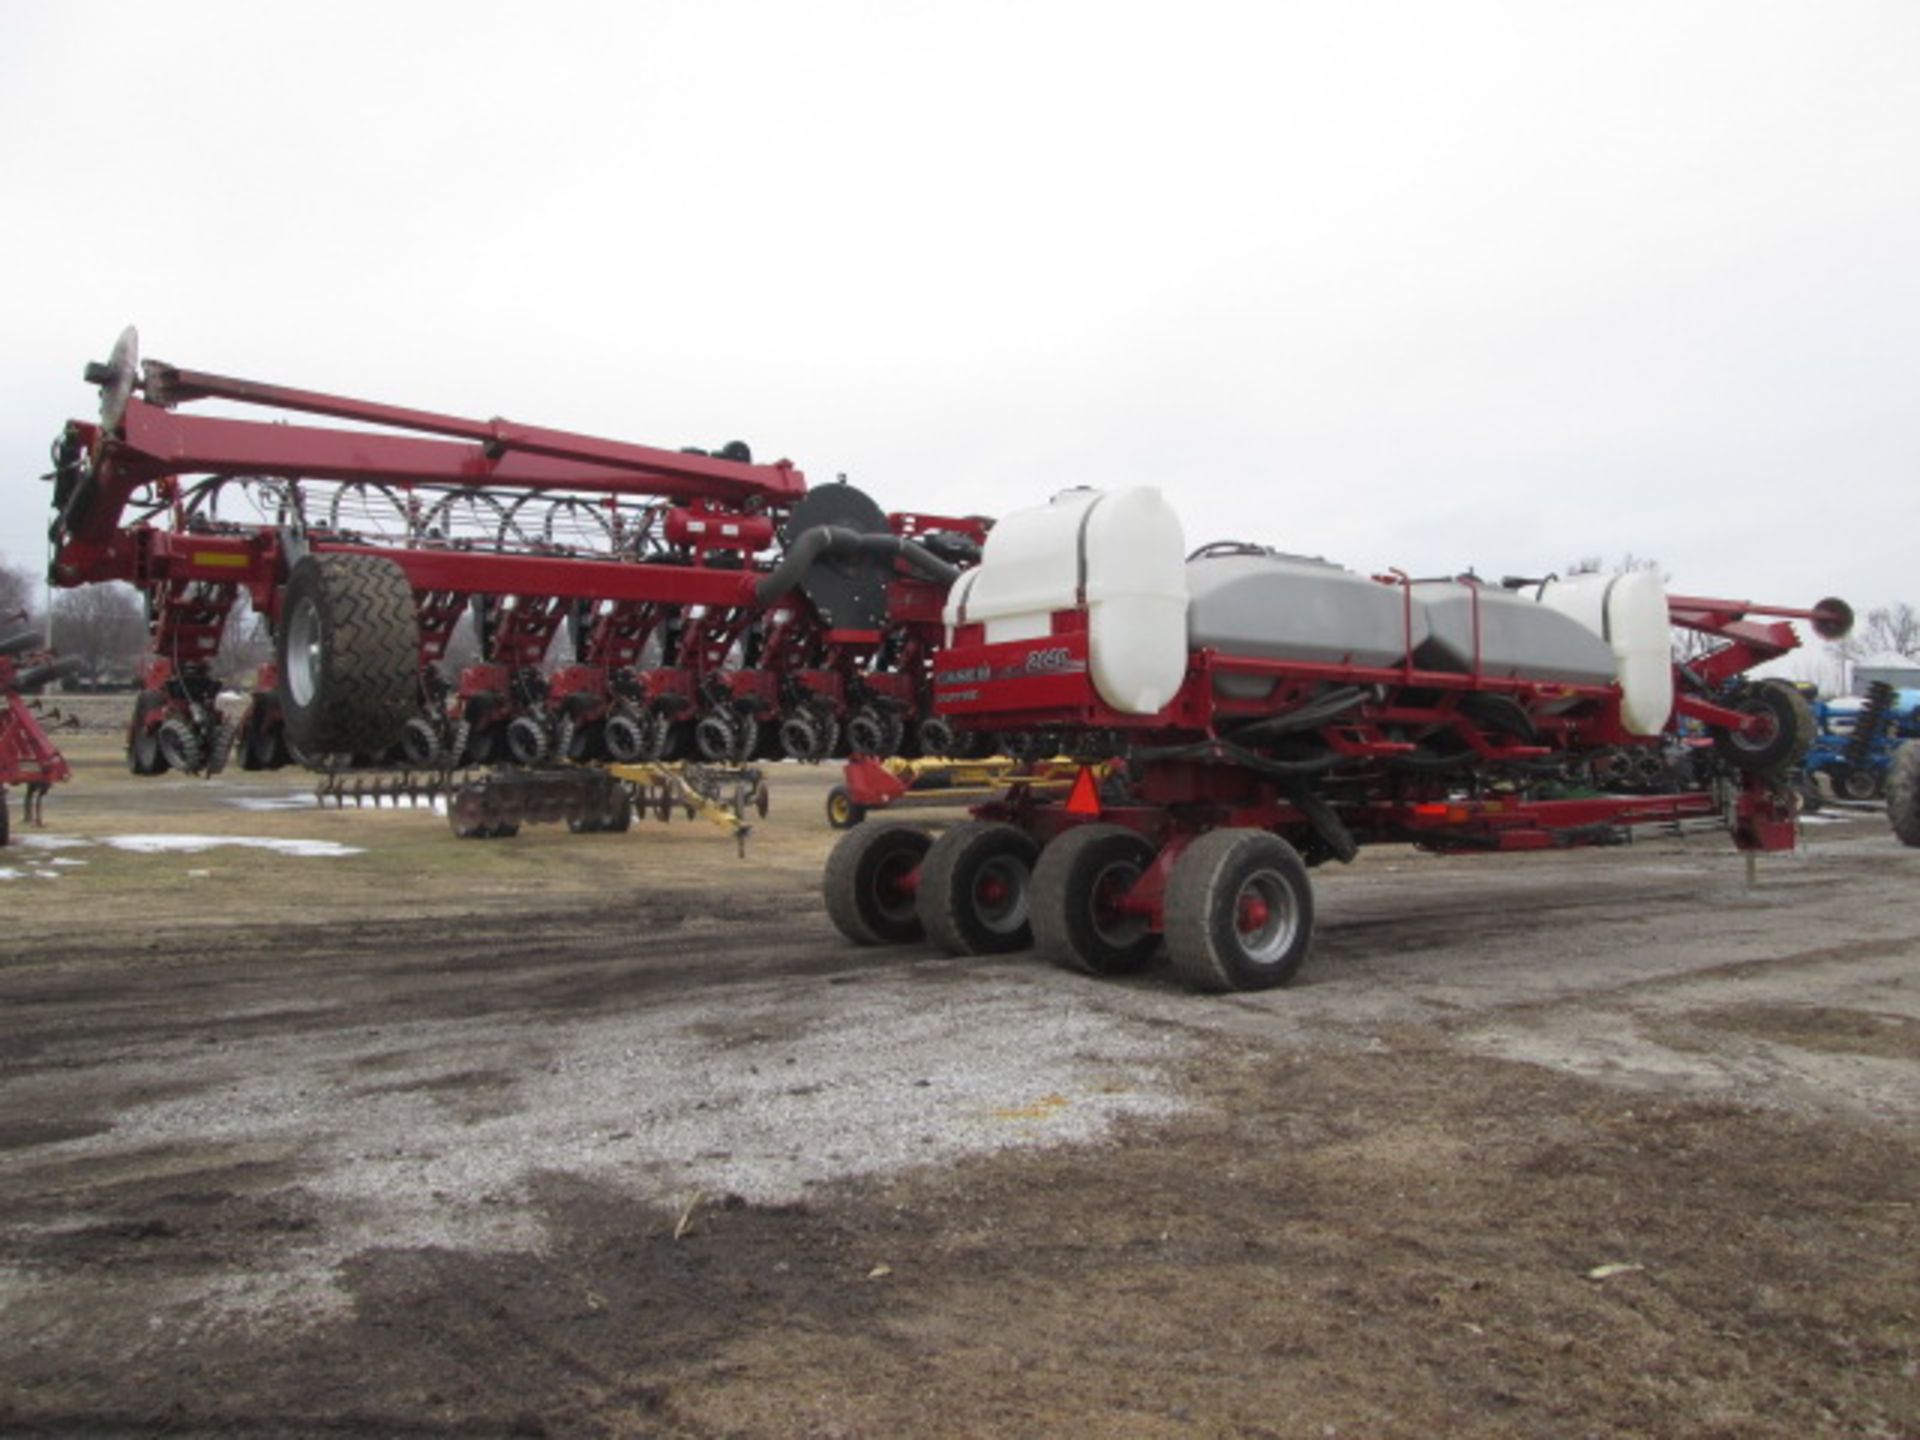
x,y
287,982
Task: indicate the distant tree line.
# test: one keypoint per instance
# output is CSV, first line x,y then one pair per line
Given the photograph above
x,y
105,626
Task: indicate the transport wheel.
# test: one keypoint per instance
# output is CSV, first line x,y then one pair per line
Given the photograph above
x,y
1077,888
349,653
179,745
143,742
1903,793
1779,742
976,889
1856,784
1239,911
867,890
842,813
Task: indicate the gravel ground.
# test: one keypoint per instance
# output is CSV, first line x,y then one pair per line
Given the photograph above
x,y
375,1132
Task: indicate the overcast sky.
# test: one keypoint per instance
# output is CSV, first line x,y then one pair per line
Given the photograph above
x,y
1431,285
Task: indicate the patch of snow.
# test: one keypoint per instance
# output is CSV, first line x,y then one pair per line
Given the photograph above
x,y
193,844
52,842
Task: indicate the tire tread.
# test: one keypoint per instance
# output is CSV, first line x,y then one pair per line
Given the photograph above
x,y
940,902
1903,793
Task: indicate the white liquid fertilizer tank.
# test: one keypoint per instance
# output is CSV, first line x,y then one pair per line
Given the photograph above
x,y
1629,612
1119,553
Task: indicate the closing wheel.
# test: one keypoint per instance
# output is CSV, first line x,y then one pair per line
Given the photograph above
x,y
801,737
480,745
1780,734
625,736
143,740
420,743
1903,793
746,745
1239,912
842,813
250,724
527,739
715,736
868,732
936,737
868,884
1077,888
976,889
588,742
349,653
180,746
266,742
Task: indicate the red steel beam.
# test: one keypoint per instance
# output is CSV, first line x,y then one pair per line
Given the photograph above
x,y
694,476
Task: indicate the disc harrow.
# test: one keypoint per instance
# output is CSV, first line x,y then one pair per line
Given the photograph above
x,y
28,758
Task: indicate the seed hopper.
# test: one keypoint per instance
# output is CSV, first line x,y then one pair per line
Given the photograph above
x,y
1255,714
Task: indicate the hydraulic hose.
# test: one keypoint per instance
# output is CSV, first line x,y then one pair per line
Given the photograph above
x,y
24,641
835,542
47,670
1308,717
1225,749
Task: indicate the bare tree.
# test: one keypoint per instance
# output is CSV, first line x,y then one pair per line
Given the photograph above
x,y
1625,565
19,598
1889,630
103,625
245,644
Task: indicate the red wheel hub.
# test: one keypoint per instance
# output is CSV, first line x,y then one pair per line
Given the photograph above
x,y
1254,913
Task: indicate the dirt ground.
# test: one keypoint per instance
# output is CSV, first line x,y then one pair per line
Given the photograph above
x,y
386,1134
